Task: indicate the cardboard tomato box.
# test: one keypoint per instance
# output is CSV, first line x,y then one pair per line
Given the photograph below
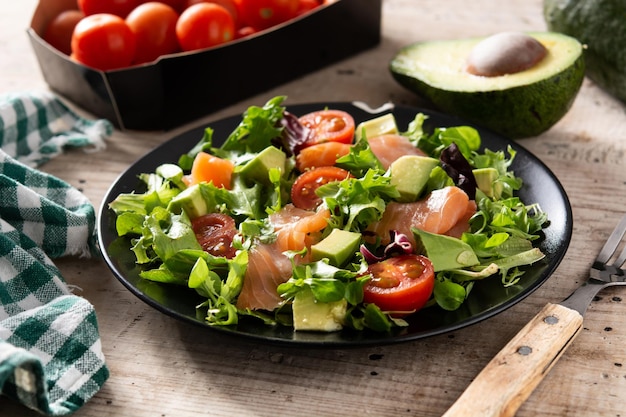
x,y
182,87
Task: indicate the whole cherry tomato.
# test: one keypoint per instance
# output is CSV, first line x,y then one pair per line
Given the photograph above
x,y
400,284
154,26
262,14
204,25
120,8
103,41
227,4
60,29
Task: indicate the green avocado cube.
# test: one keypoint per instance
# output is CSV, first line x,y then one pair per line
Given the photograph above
x,y
382,125
410,174
312,315
339,246
485,180
258,168
191,201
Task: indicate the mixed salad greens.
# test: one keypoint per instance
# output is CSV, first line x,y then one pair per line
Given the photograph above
x,y
158,221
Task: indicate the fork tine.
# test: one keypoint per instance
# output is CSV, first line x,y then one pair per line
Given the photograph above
x,y
612,244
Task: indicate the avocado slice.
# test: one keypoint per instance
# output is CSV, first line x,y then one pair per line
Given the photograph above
x,y
191,201
173,173
599,25
382,125
258,168
445,252
409,174
312,315
485,179
516,105
339,246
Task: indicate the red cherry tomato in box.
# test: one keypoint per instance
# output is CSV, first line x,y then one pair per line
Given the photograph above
x,y
328,126
227,4
303,190
204,25
119,8
103,41
154,26
262,14
400,284
60,29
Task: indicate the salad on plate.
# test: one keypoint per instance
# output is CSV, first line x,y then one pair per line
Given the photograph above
x,y
318,223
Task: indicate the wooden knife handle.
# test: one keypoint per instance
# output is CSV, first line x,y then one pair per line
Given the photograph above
x,y
512,375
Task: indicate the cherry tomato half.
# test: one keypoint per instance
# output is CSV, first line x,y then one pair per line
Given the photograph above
x,y
119,8
154,26
204,25
262,14
303,190
103,41
215,233
328,126
400,284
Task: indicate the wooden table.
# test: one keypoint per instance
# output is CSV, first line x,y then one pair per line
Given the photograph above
x,y
161,367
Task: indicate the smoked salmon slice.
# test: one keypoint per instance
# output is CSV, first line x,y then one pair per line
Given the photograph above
x,y
390,147
268,266
442,211
321,155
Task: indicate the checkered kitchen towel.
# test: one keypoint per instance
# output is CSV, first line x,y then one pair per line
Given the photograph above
x,y
50,354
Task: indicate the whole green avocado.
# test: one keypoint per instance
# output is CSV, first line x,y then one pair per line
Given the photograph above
x,y
601,26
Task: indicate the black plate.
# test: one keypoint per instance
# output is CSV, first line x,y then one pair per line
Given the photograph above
x,y
487,298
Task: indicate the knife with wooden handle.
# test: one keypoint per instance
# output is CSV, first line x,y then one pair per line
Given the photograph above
x,y
512,375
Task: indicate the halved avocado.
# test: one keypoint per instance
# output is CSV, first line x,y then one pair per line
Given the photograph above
x,y
601,26
516,105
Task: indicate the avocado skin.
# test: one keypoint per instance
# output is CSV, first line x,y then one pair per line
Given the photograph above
x,y
601,26
516,112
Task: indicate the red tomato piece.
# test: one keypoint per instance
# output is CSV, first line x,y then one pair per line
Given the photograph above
x,y
204,25
328,126
303,190
60,29
119,8
103,41
400,284
262,14
154,26
215,233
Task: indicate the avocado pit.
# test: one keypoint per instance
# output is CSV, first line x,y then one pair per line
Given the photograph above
x,y
505,53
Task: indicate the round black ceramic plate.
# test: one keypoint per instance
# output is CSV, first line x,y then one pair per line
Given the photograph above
x,y
487,298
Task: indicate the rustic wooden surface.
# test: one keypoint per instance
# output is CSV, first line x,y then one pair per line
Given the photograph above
x,y
161,367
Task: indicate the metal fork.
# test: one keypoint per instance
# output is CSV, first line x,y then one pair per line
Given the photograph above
x,y
512,375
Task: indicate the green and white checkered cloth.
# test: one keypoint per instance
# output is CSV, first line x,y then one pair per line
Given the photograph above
x,y
51,358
